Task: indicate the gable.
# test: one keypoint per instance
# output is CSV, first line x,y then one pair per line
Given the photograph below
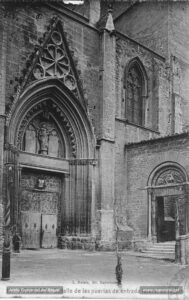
x,y
52,60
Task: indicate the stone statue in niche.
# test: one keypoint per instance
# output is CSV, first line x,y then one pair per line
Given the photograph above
x,y
43,136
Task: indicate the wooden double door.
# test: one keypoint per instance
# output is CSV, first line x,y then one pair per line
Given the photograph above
x,y
38,230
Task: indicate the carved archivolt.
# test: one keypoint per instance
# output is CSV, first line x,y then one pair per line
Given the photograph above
x,y
44,130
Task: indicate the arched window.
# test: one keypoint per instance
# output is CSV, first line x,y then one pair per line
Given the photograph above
x,y
135,87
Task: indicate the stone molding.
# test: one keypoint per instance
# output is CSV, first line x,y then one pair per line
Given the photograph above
x,y
158,140
83,162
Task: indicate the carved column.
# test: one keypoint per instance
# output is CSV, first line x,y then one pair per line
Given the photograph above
x,y
107,135
17,221
11,160
92,175
186,218
79,206
150,195
65,228
2,171
177,219
153,220
7,225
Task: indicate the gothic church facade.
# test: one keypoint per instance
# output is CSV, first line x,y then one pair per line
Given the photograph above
x,y
94,123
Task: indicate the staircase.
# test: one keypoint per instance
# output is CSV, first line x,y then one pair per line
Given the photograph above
x,y
164,250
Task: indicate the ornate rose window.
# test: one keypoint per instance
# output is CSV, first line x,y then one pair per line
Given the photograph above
x,y
54,62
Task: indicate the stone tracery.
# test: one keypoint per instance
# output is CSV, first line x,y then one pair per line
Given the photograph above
x,y
54,62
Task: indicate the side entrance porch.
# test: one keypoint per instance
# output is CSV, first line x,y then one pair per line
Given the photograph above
x,y
168,225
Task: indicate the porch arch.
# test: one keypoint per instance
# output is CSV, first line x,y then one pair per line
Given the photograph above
x,y
67,106
167,191
75,168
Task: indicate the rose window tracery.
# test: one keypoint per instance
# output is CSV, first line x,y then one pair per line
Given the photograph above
x,y
54,62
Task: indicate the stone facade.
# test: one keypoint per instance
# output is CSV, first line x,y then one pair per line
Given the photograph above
x,y
93,103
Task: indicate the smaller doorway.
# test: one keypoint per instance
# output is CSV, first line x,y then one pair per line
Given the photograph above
x,y
165,218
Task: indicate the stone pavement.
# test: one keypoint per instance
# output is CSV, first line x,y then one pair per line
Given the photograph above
x,y
90,274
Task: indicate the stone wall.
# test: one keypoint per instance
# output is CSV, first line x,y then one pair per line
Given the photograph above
x,y
178,34
157,94
23,27
162,26
157,119
146,22
165,30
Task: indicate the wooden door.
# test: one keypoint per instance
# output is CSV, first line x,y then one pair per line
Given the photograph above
x,y
31,229
49,228
160,219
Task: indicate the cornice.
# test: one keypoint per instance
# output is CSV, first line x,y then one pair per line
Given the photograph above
x,y
126,10
126,122
158,140
72,15
123,36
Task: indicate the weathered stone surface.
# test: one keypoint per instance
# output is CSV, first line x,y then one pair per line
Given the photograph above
x,y
110,165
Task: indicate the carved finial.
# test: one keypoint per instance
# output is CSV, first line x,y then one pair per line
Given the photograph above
x,y
110,23
110,8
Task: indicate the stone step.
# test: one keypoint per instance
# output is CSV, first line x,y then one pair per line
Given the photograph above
x,y
163,247
168,257
160,254
164,244
159,251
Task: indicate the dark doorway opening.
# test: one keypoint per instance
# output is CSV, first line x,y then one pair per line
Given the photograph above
x,y
165,218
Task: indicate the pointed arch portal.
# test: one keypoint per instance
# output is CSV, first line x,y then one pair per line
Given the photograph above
x,y
167,202
50,148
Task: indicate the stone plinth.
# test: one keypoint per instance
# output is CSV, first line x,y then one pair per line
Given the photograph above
x,y
125,237
76,242
182,249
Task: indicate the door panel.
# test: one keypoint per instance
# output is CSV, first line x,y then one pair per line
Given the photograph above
x,y
49,228
31,229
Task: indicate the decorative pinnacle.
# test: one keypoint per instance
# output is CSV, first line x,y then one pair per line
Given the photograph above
x,y
110,9
110,23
